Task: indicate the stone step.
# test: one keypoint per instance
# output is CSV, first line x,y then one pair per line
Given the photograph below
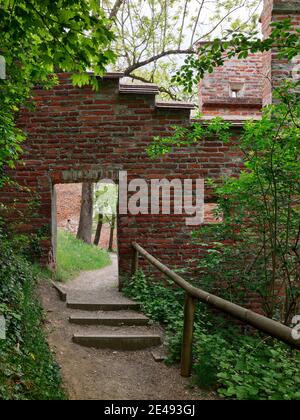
x,y
110,319
60,290
103,306
118,341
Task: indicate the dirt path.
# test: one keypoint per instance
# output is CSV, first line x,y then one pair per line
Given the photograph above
x,y
92,374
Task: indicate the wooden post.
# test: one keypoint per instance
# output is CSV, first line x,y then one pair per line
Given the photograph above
x,y
188,331
135,262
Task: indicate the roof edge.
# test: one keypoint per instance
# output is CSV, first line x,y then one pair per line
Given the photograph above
x,y
235,120
232,102
144,89
175,105
290,7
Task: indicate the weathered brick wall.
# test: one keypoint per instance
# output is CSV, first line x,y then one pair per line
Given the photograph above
x,y
254,77
68,198
241,78
77,135
265,20
277,70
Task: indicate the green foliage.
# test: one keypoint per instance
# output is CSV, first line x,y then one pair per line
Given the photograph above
x,y
186,137
238,365
261,209
256,249
26,245
271,372
74,256
284,37
153,36
37,39
10,140
27,368
150,295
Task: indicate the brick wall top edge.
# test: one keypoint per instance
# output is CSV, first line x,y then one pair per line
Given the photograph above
x,y
113,75
236,121
175,105
139,89
234,101
292,7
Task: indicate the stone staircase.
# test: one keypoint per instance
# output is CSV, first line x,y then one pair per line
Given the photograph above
x,y
104,318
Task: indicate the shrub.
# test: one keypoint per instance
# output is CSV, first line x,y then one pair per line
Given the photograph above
x,y
27,368
238,365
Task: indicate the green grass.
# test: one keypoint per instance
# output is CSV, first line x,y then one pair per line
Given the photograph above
x,y
74,256
41,272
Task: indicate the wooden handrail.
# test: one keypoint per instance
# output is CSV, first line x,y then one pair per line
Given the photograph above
x,y
266,325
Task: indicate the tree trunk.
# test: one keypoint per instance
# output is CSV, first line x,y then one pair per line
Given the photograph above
x,y
112,230
86,214
99,229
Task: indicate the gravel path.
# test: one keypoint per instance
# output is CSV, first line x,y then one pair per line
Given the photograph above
x,y
92,374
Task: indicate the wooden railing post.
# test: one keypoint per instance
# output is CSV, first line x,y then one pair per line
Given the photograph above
x,y
135,262
188,332
260,322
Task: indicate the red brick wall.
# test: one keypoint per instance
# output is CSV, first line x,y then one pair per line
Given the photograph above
x,y
68,199
259,73
77,135
265,19
216,88
277,70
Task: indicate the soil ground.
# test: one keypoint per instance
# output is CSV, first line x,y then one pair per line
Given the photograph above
x,y
93,374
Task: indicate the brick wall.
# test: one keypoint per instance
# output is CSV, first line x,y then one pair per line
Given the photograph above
x,y
68,200
77,135
253,78
277,70
234,89
265,20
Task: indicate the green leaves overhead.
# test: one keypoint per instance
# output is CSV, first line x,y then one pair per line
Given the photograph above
x,y
284,38
71,35
154,37
37,39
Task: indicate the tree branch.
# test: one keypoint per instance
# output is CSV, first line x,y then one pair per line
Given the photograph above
x,y
230,12
196,22
160,88
136,66
183,21
116,8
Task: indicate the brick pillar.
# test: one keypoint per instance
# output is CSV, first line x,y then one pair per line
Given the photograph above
x,y
276,70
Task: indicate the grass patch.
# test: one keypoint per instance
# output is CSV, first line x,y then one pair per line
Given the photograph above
x,y
74,256
41,272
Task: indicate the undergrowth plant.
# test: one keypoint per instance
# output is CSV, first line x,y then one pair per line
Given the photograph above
x,y
255,251
28,370
227,359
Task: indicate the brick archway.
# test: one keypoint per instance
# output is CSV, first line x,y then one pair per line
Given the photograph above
x,y
76,135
